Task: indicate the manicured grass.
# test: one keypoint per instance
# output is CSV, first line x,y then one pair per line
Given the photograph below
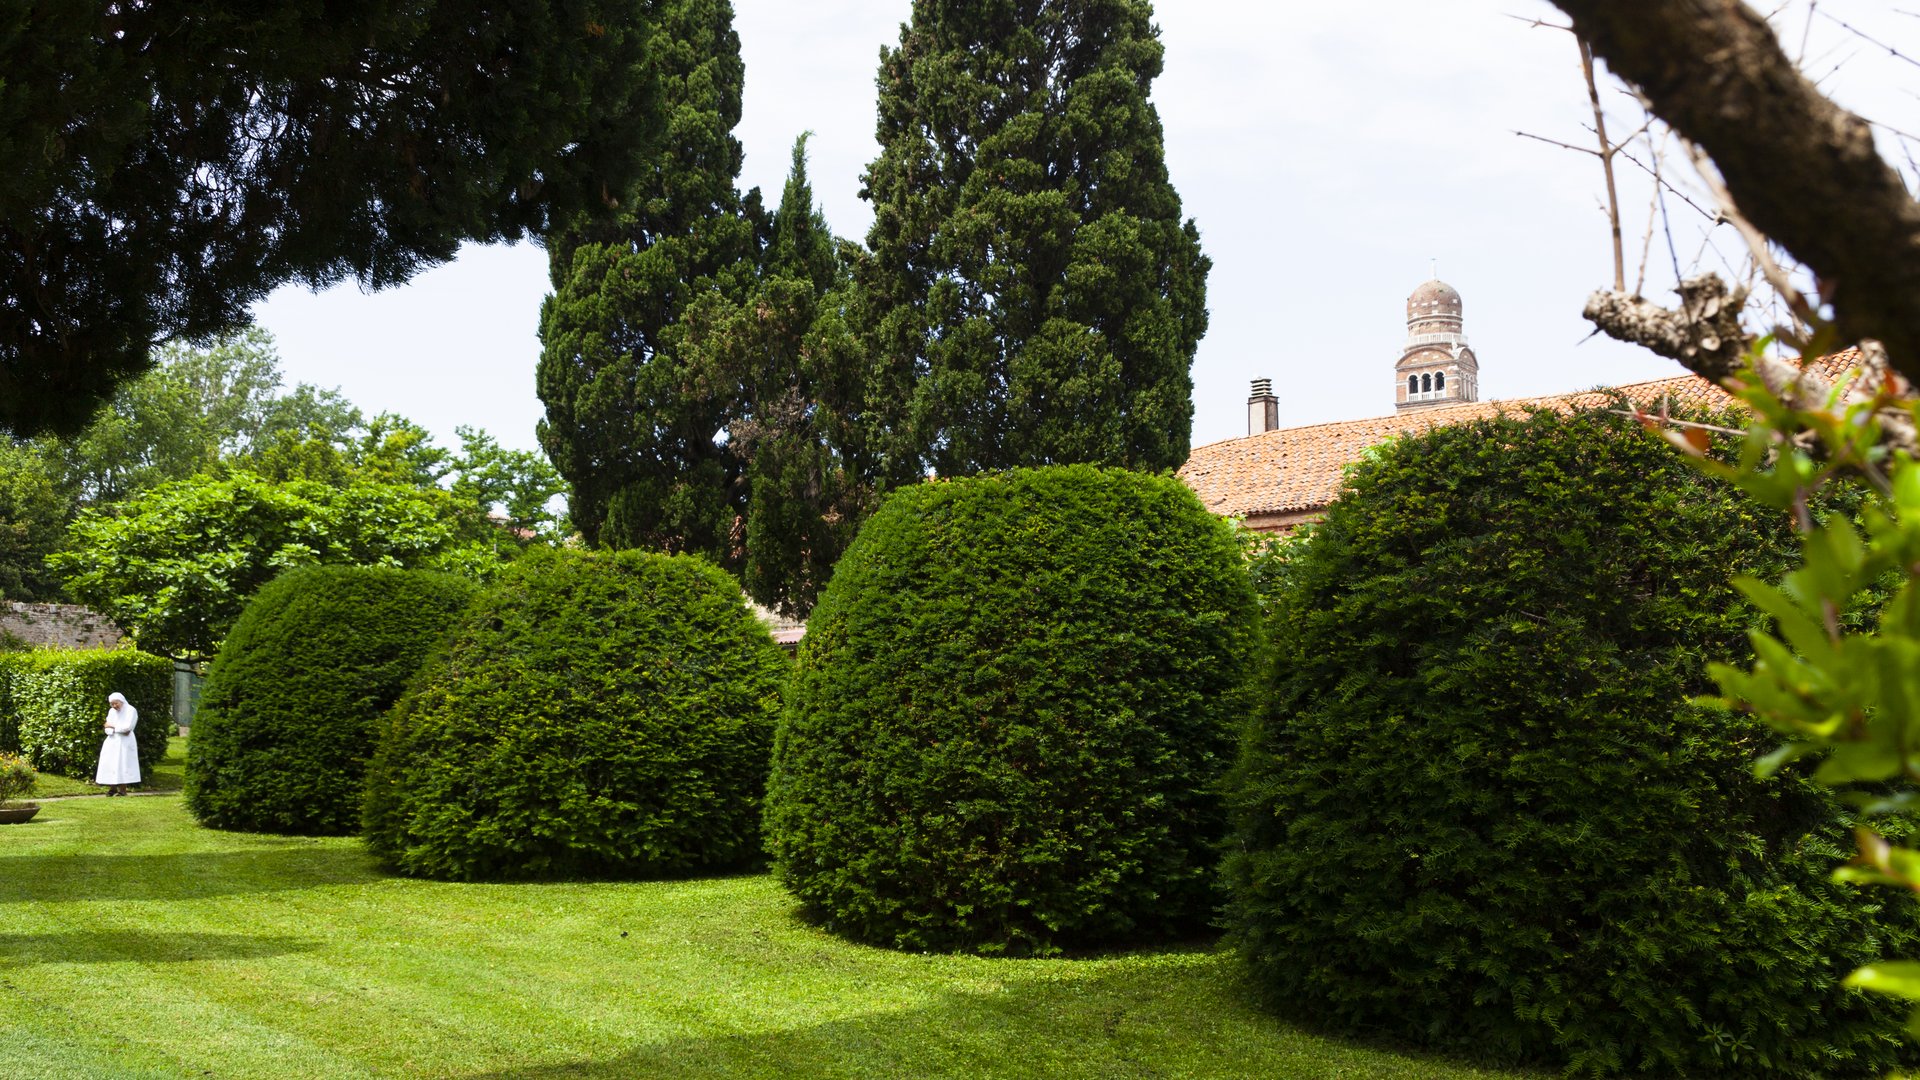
x,y
169,775
134,944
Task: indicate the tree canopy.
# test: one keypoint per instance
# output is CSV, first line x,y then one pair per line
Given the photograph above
x,y
33,519
176,564
169,164
789,370
626,422
1032,293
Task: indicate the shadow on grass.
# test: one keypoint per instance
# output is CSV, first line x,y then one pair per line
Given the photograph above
x,y
123,946
1132,1023
186,876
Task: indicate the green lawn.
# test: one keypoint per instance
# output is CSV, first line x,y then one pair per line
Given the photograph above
x,y
169,775
134,944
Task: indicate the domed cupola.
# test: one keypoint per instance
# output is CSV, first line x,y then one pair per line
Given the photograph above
x,y
1436,366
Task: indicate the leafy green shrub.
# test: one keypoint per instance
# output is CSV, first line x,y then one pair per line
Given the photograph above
x,y
57,702
10,661
1011,710
594,714
1478,812
17,778
290,710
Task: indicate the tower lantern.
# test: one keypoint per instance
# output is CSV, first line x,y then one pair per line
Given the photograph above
x,y
1436,365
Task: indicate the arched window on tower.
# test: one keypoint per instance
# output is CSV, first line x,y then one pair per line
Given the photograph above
x,y
1439,381
1426,383
1413,384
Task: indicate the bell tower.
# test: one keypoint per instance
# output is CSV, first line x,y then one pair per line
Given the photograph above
x,y
1436,366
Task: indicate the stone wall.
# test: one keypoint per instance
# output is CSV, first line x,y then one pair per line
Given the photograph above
x,y
65,626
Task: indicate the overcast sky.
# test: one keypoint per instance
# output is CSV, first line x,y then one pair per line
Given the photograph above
x,y
1328,152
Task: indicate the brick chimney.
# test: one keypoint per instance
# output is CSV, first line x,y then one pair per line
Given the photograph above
x,y
1263,409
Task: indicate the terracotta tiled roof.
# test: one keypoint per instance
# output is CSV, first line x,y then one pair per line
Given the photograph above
x,y
1294,470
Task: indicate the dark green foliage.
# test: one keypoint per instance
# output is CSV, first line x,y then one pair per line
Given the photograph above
x,y
1012,708
788,370
169,164
1477,811
1032,293
55,704
292,706
626,422
595,714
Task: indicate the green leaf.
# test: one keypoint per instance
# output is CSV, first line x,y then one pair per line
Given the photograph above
x,y
1900,978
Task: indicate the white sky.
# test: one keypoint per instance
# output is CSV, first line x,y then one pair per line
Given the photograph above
x,y
1327,151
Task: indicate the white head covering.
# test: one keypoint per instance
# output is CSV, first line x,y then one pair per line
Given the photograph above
x,y
116,696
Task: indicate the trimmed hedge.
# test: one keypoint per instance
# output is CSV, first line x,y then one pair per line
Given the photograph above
x,y
9,719
594,714
1011,711
1478,813
292,705
53,703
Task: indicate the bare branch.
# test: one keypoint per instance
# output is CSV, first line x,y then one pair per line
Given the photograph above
x,y
1802,170
1868,38
1797,305
1540,24
1558,143
1653,206
1706,337
1658,179
1606,166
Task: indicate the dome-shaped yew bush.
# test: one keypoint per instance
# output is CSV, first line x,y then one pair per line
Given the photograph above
x,y
288,715
1011,712
595,714
1478,811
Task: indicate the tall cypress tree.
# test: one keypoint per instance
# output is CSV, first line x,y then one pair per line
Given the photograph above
x,y
790,369
1032,294
627,423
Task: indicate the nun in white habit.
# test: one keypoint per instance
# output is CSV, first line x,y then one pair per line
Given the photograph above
x,y
120,753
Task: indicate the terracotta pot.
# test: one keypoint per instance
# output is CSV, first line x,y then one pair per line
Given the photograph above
x,y
16,815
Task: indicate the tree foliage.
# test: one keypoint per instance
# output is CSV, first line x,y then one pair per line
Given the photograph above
x,y
292,705
197,408
170,164
595,714
789,373
1478,811
1031,292
176,565
33,519
1011,713
626,422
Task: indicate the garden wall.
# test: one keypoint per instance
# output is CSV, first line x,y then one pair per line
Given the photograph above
x,y
62,626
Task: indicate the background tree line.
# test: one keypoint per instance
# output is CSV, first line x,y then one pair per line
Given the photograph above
x,y
739,383
208,472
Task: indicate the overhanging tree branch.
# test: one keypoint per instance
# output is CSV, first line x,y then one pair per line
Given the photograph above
x,y
1801,169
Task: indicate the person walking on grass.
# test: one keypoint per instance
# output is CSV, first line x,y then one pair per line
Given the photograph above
x,y
120,753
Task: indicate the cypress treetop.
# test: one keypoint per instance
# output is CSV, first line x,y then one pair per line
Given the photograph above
x,y
626,422
1033,295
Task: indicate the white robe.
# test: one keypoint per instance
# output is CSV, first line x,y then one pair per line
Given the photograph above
x,y
119,753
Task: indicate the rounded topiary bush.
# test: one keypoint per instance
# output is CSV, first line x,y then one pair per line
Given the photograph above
x,y
1478,812
594,714
289,712
1011,711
